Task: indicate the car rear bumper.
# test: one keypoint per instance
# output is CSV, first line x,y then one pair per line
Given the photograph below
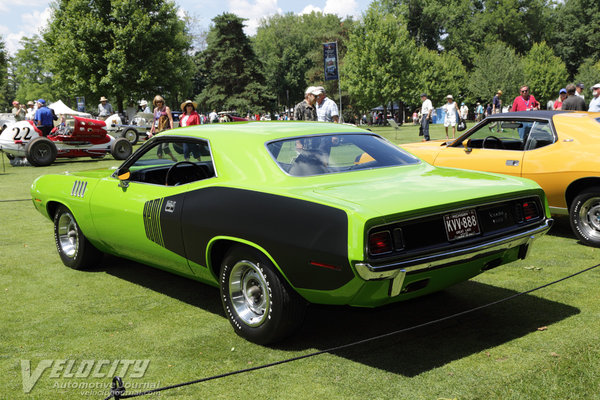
x,y
396,271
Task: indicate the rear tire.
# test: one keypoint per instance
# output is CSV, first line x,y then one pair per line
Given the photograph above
x,y
131,135
73,247
40,152
585,216
121,149
260,305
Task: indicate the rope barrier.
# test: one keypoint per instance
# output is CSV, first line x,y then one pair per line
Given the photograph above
x,y
118,389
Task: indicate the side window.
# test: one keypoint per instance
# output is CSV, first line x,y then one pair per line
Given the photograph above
x,y
509,135
539,136
174,162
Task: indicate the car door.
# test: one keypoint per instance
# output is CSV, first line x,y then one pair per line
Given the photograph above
x,y
140,218
493,147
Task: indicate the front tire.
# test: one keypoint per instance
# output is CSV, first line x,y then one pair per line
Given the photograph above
x,y
40,152
73,247
260,305
585,216
121,149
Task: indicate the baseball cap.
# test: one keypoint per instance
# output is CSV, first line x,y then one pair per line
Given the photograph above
x,y
41,101
561,91
596,86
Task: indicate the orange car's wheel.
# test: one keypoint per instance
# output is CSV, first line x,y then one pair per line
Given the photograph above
x,y
585,216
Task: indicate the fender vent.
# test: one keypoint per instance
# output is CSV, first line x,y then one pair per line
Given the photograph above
x,y
152,221
79,189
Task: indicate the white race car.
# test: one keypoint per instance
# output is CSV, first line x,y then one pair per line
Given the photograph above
x,y
80,137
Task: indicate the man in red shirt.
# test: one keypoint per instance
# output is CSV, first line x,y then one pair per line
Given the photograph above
x,y
525,102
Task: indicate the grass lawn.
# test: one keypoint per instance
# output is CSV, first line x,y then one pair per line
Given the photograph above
x,y
544,345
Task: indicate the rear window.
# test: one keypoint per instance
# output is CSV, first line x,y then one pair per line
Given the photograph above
x,y
325,154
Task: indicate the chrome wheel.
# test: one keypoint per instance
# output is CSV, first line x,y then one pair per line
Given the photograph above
x,y
249,293
589,216
67,235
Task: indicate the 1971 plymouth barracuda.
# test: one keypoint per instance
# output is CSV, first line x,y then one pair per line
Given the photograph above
x,y
281,214
560,150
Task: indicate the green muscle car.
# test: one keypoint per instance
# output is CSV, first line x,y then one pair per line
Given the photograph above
x,y
282,214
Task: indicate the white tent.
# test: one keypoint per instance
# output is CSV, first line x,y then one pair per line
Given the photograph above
x,y
61,108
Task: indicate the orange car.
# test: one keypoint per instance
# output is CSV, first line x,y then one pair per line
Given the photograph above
x,y
560,150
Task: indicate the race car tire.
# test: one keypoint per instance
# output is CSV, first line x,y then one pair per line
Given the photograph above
x,y
121,149
259,303
585,216
73,247
131,135
40,152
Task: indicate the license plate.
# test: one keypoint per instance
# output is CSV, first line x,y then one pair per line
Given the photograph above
x,y
462,224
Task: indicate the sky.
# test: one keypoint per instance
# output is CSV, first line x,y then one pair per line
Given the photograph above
x,y
20,18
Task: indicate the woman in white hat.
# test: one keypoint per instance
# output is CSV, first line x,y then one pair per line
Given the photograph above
x,y
188,118
451,110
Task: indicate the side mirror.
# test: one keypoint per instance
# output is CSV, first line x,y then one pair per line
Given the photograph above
x,y
123,177
467,146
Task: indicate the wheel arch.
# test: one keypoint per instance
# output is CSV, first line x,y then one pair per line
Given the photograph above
x,y
218,247
52,207
577,186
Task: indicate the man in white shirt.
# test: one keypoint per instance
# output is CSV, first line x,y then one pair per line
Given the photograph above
x,y
327,110
213,117
579,90
426,110
595,103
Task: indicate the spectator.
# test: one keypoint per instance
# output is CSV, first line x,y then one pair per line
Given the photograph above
x,y
18,111
497,103
44,118
305,110
144,106
104,108
479,112
30,111
327,110
426,110
562,95
451,112
213,117
526,101
573,102
488,110
579,90
163,120
188,118
595,103
464,111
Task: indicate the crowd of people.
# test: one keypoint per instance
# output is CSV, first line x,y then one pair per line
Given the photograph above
x,y
569,98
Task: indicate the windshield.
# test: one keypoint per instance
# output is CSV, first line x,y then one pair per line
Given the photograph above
x,y
317,155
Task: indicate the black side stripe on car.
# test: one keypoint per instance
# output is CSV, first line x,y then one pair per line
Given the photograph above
x,y
152,221
301,236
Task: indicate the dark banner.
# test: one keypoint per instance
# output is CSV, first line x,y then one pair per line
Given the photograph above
x,y
330,61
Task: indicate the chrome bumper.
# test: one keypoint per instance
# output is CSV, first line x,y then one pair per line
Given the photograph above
x,y
397,270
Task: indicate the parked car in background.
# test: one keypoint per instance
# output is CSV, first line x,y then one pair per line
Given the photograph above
x,y
77,137
278,215
560,150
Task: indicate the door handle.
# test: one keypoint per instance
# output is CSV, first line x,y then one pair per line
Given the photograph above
x,y
512,163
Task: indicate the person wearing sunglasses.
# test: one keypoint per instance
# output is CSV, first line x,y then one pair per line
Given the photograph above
x,y
525,101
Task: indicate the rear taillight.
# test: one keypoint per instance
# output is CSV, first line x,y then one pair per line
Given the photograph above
x,y
380,243
530,211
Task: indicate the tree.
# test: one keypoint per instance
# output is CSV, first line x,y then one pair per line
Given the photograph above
x,y
380,59
578,32
497,67
4,92
438,75
235,81
127,49
290,47
588,73
544,72
32,79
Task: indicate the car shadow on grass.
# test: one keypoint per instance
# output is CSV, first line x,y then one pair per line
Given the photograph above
x,y
409,353
561,227
419,350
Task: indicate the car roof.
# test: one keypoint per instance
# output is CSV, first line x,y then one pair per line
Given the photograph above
x,y
545,114
263,131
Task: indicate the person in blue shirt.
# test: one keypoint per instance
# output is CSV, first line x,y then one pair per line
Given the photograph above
x,y
44,118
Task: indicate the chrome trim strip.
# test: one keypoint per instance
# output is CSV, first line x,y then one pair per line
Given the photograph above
x,y
559,210
390,270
